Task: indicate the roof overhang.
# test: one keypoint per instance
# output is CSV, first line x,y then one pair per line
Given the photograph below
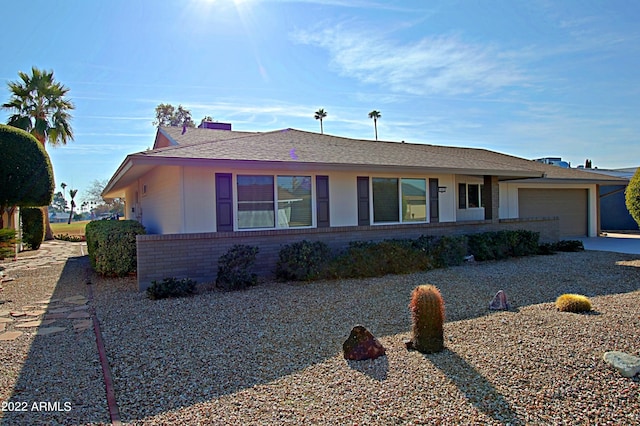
x,y
137,165
602,182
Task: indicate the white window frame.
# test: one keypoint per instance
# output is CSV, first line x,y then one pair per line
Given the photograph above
x,y
466,195
399,201
274,176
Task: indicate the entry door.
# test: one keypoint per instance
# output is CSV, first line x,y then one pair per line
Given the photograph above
x,y
434,204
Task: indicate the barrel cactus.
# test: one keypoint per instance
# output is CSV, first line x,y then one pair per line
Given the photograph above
x,y
573,303
427,310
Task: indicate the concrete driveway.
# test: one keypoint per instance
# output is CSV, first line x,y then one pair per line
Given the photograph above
x,y
619,243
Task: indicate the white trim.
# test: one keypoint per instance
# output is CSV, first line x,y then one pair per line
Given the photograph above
x,y
275,176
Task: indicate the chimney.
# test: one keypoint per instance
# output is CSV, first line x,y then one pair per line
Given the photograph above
x,y
214,125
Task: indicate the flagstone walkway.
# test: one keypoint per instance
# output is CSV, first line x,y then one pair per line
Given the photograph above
x,y
45,316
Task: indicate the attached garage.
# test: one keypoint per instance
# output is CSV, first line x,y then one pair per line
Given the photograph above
x,y
570,205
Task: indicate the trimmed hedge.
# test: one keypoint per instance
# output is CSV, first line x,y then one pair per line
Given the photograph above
x,y
368,259
302,261
503,244
444,251
26,175
112,246
7,242
32,227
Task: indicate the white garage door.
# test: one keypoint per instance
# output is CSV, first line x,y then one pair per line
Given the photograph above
x,y
570,205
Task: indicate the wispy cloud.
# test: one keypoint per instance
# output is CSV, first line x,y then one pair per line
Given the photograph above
x,y
436,65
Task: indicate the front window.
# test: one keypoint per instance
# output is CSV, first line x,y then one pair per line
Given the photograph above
x,y
399,200
470,195
294,201
385,200
414,200
257,201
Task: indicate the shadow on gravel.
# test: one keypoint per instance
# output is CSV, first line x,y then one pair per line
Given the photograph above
x,y
377,369
61,380
476,389
173,353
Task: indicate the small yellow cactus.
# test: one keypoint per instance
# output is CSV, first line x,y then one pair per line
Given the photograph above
x,y
573,303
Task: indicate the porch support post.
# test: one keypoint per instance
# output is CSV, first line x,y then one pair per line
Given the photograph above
x,y
491,198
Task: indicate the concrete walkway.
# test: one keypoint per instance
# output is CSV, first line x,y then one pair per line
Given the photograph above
x,y
619,243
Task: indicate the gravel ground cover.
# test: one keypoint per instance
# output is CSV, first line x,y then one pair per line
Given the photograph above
x,y
49,379
272,354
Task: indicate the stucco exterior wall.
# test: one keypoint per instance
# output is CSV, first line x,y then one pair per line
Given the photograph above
x,y
174,199
196,256
160,195
199,200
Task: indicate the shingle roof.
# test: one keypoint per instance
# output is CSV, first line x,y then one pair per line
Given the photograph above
x,y
194,136
290,146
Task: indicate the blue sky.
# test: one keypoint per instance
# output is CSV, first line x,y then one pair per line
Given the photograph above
x,y
527,78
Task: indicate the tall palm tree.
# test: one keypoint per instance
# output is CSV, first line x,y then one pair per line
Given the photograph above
x,y
375,115
39,106
319,115
72,194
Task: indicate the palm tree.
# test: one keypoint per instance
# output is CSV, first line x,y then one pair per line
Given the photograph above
x,y
72,194
319,115
39,106
375,115
63,186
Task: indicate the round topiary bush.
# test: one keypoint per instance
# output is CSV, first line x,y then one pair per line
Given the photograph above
x,y
573,303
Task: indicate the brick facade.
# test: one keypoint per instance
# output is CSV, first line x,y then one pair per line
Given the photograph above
x,y
196,255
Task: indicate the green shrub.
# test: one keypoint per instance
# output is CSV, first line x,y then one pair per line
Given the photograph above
x,y
32,227
171,287
302,261
368,259
7,243
112,246
573,303
563,245
503,244
234,268
524,243
546,249
427,313
71,238
632,196
569,245
443,251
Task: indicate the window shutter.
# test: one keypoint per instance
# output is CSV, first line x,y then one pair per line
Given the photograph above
x,y
462,195
322,201
363,201
434,203
224,202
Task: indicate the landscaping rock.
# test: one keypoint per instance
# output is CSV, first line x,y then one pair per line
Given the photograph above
x,y
499,302
361,345
626,364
